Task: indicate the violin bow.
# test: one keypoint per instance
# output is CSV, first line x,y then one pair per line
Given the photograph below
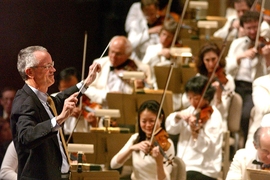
x,y
170,161
83,85
161,103
259,25
82,77
169,74
253,7
168,10
180,22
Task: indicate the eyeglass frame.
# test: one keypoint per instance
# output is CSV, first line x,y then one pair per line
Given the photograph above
x,y
48,66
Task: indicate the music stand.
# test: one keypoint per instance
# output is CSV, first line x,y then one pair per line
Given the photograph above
x,y
258,174
180,76
96,139
128,104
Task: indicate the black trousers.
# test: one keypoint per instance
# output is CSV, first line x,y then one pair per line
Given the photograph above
x,y
244,89
194,175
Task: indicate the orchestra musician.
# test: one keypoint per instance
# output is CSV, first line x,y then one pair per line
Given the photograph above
x,y
144,31
200,138
232,26
67,78
245,63
135,12
206,61
117,61
159,55
36,127
265,27
150,166
252,158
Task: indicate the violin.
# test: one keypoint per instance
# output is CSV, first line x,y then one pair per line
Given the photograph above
x,y
205,114
128,65
89,109
161,140
261,43
256,6
161,136
220,76
172,15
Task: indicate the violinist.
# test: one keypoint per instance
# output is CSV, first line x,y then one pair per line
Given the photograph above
x,y
144,32
67,78
252,158
109,79
135,12
232,27
224,83
265,27
245,64
159,54
149,166
200,135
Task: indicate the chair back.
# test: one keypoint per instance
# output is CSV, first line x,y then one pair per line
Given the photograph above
x,y
234,114
178,170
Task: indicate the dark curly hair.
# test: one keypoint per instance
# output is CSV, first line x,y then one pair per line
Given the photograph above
x,y
208,47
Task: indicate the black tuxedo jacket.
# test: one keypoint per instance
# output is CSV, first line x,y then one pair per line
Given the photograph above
x,y
39,156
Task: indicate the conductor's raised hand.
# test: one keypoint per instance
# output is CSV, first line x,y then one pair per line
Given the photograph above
x,y
69,105
93,70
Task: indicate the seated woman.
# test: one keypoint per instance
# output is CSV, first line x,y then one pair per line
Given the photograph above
x,y
138,146
200,135
224,83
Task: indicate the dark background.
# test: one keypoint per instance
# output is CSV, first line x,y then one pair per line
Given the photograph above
x,y
58,25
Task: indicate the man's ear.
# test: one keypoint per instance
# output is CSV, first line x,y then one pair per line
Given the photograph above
x,y
29,72
256,147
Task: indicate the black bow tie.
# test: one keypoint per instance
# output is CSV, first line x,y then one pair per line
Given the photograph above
x,y
257,162
112,68
263,166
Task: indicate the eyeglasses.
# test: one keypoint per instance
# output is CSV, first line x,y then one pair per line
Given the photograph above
x,y
48,66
